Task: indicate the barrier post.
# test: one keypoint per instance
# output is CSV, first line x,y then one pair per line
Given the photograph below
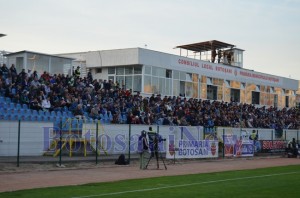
x,y
97,142
223,145
60,142
129,138
285,135
272,139
19,134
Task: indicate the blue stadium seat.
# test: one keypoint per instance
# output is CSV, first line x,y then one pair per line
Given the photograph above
x,y
65,109
124,118
34,118
9,117
41,113
74,124
5,105
27,111
47,113
80,124
52,118
40,118
11,105
22,117
8,100
11,111
2,99
70,114
53,113
35,113
6,117
27,118
56,124
58,114
18,106
25,106
65,114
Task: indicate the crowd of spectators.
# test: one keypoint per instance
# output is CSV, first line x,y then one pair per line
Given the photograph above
x,y
88,97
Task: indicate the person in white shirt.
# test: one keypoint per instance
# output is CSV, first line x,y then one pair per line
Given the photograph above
x,y
46,105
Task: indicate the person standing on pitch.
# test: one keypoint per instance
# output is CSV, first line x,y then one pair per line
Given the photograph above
x,y
142,148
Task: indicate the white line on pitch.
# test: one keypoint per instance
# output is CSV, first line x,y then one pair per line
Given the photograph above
x,y
184,185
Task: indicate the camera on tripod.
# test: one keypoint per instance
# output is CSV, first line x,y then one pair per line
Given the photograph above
x,y
155,137
154,140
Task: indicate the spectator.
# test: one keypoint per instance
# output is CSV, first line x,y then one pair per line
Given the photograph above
x,y
46,104
13,73
77,72
78,112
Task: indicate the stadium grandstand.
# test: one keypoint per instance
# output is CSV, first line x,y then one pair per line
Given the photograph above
x,y
141,86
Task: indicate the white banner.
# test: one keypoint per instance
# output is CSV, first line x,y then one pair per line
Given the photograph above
x,y
192,149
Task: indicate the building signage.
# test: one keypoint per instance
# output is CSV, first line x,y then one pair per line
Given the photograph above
x,y
227,70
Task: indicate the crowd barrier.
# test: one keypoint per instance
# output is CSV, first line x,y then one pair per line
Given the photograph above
x,y
90,140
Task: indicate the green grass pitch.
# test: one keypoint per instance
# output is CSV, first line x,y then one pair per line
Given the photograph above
x,y
267,182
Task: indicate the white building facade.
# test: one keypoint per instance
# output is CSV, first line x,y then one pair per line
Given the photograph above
x,y
153,72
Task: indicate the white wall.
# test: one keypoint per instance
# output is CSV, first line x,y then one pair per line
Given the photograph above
x,y
31,138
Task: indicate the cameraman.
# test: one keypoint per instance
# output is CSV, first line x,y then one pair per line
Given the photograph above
x,y
154,140
142,148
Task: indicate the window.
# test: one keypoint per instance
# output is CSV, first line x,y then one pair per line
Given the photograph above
x,y
148,70
243,85
154,71
120,71
257,88
255,97
111,70
275,100
227,82
182,75
98,70
235,95
120,80
212,92
176,75
286,101
188,77
147,84
209,81
137,83
128,70
137,69
169,73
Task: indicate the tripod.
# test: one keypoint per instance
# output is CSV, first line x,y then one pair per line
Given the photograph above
x,y
155,151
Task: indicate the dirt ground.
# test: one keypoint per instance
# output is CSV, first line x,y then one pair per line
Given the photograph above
x,y
29,176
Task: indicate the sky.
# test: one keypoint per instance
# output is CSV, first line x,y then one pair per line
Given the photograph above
x,y
268,30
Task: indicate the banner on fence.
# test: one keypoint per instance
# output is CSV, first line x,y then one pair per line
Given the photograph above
x,y
192,149
269,146
238,147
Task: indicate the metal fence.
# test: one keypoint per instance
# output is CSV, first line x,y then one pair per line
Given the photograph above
x,y
72,140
